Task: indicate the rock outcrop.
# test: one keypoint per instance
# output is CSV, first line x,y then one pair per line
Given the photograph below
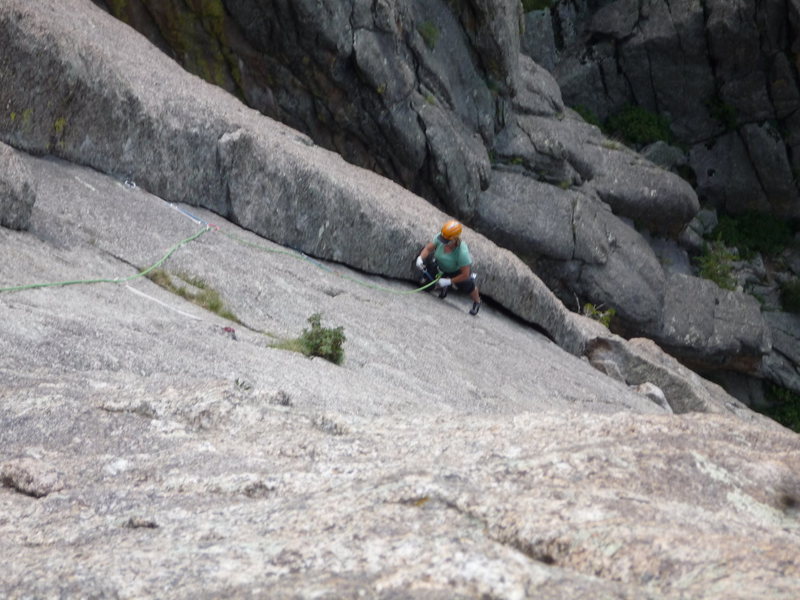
x,y
190,142
153,448
724,74
437,96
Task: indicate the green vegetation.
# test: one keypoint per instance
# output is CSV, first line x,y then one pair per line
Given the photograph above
x,y
602,316
754,232
319,341
784,407
198,292
529,5
429,33
60,125
716,264
639,126
587,115
790,296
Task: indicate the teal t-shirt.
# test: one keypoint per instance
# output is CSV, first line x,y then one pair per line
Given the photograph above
x,y
450,262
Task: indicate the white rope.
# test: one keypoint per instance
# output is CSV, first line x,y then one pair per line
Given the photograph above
x,y
164,304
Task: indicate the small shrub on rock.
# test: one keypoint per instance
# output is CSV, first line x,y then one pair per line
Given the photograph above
x,y
716,264
603,317
324,342
639,126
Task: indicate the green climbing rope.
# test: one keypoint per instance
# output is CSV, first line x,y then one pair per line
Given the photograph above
x,y
155,265
206,229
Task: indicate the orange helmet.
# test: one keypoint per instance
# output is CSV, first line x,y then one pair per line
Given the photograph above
x,y
451,230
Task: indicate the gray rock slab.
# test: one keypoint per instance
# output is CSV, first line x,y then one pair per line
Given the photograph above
x,y
722,323
220,494
89,226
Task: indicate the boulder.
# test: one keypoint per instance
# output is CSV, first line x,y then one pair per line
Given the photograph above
x,y
576,244
643,363
570,152
538,93
614,267
529,217
721,325
17,190
726,177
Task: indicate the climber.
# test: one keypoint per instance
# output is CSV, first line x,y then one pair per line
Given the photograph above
x,y
449,256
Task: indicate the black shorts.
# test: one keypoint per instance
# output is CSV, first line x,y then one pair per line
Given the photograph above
x,y
431,266
462,286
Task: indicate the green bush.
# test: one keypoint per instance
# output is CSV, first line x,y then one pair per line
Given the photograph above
x,y
715,264
790,296
318,341
639,126
753,232
784,407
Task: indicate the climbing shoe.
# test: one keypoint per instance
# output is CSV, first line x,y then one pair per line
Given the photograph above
x,y
476,306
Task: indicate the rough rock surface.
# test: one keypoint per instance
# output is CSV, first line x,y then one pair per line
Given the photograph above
x,y
437,96
724,73
17,194
192,142
151,448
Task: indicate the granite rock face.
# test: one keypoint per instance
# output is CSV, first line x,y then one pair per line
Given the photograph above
x,y
153,448
723,73
437,96
150,447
